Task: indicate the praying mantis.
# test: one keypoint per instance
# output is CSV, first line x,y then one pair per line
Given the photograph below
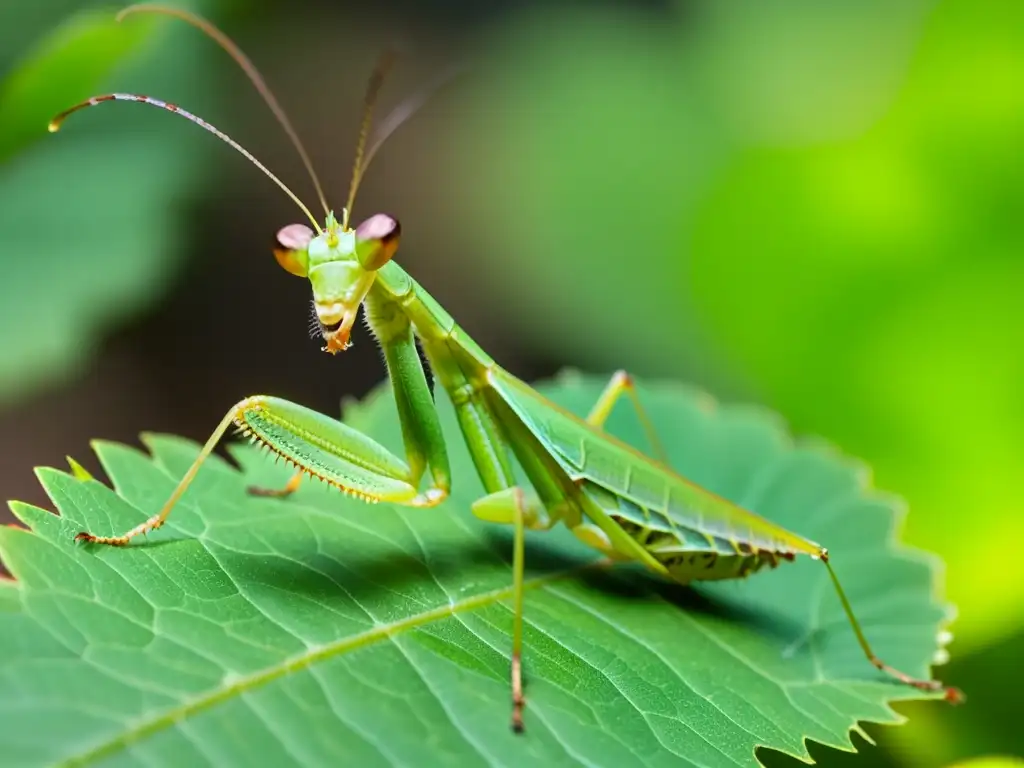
x,y
628,505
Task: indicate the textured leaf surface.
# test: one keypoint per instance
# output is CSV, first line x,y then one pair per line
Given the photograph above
x,y
323,631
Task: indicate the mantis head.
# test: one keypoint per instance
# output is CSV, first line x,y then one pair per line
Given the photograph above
x,y
341,264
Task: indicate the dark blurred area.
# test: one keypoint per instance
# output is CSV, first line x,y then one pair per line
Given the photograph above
x,y
815,206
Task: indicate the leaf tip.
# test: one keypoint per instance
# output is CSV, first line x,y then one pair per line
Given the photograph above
x,y
29,515
98,445
46,475
78,471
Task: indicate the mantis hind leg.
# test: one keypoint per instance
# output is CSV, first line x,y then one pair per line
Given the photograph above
x,y
952,695
513,505
598,538
506,503
621,383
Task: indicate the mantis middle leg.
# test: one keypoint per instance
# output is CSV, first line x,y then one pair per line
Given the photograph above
x,y
554,497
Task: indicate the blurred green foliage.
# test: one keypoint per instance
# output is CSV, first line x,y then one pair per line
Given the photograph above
x,y
90,230
877,296
843,242
73,59
813,205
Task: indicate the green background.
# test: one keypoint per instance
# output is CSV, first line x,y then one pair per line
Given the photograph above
x,y
813,206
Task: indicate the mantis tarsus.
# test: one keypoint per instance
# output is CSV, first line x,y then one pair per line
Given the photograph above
x,y
627,505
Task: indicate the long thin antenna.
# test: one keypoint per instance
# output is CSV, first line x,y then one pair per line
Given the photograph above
x,y
404,111
57,121
247,66
387,60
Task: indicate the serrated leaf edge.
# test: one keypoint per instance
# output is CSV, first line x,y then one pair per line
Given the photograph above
x,y
568,377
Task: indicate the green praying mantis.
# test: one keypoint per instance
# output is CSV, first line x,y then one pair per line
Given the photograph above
x,y
627,505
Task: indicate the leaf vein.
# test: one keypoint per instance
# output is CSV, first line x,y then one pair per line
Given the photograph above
x,y
615,626
240,684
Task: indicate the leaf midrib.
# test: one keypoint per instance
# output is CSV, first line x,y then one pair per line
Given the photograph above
x,y
244,683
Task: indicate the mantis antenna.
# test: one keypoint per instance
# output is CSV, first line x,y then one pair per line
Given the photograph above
x,y
57,121
384,64
250,70
404,111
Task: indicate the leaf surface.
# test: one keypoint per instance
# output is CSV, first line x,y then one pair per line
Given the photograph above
x,y
322,631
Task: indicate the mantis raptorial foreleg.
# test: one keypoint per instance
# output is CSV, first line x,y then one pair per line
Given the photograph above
x,y
154,522
319,445
331,451
421,430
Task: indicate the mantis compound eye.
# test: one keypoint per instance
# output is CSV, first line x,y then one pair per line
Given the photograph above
x,y
291,253
294,237
377,240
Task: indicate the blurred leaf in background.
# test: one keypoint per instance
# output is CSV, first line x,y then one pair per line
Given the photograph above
x,y
873,295
612,146
991,762
88,216
860,273
816,205
72,59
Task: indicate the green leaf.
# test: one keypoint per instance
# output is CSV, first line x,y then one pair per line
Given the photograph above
x,y
319,630
88,215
